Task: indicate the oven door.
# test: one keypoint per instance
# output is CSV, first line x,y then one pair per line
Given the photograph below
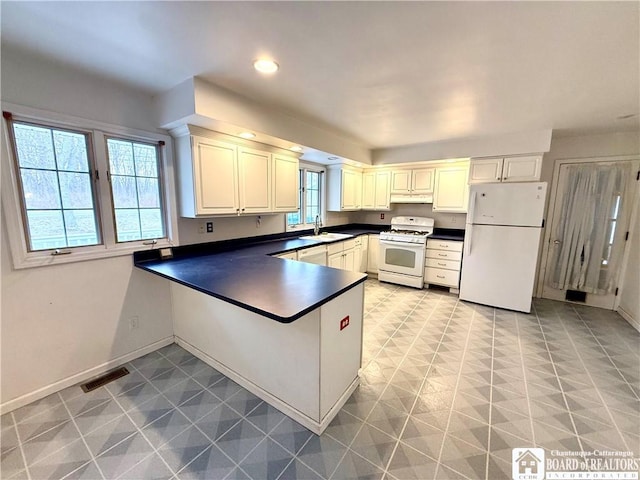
x,y
403,258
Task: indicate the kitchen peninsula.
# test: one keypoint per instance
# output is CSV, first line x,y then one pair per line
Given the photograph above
x,y
288,331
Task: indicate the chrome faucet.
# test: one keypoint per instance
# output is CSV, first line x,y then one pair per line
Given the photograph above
x,y
316,225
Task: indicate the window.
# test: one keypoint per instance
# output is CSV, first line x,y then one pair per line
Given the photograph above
x,y
135,186
57,188
311,197
78,192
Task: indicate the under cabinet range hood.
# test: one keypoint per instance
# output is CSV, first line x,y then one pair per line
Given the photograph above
x,y
403,198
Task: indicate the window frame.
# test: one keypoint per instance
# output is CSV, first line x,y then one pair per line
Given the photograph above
x,y
302,171
98,132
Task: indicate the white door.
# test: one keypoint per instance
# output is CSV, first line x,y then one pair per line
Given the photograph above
x,y
604,230
255,180
215,177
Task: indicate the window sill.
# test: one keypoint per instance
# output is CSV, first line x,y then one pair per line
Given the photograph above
x,y
44,259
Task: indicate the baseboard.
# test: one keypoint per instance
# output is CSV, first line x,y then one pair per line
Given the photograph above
x,y
81,377
629,318
304,420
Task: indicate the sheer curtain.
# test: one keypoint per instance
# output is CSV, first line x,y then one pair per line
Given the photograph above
x,y
594,194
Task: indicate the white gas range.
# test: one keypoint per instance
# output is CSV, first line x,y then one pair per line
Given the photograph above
x,y
402,251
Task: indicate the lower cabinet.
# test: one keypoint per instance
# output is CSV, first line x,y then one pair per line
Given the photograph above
x,y
374,254
342,255
442,263
362,253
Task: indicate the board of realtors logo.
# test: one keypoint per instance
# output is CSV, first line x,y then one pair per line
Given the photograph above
x,y
528,464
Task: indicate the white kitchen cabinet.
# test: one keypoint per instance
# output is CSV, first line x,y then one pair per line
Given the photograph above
x,y
209,181
451,191
442,263
342,255
505,169
286,183
374,254
218,176
375,190
419,181
344,189
254,186
361,253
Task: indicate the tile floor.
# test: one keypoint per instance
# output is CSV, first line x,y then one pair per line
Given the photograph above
x,y
448,389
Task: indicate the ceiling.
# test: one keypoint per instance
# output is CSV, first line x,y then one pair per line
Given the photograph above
x,y
383,73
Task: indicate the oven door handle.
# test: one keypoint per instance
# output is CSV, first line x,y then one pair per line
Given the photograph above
x,y
416,246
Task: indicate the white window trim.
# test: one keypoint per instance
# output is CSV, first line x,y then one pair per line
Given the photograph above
x,y
11,201
313,167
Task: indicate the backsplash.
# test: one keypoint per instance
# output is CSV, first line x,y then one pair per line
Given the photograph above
x,y
442,220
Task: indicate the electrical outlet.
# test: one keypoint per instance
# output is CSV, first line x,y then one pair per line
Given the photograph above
x,y
258,221
201,228
209,227
134,323
382,216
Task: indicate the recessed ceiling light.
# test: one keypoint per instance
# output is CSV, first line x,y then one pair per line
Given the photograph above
x,y
333,158
264,65
296,148
247,135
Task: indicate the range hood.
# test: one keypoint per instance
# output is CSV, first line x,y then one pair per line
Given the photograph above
x,y
402,198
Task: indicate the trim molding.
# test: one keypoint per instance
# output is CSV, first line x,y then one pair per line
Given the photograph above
x,y
82,376
629,318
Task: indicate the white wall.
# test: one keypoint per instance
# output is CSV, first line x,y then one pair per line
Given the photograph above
x,y
62,323
630,296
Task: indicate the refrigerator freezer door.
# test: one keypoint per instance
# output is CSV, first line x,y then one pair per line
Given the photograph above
x,y
519,204
499,266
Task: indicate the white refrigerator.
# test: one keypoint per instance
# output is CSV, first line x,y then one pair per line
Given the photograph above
x,y
502,238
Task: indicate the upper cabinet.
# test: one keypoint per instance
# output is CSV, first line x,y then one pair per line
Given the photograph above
x,y
451,192
344,189
375,190
220,177
417,181
286,183
505,169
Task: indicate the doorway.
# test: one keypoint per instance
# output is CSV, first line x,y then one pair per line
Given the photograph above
x,y
592,203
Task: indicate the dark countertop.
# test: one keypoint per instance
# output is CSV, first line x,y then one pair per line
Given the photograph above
x,y
243,273
453,234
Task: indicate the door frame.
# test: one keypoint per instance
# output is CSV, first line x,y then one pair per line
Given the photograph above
x,y
635,210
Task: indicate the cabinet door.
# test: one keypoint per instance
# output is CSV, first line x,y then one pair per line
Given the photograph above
x,y
335,260
485,170
369,191
422,180
364,254
374,253
401,181
349,260
382,195
451,192
522,169
215,177
255,180
351,189
286,184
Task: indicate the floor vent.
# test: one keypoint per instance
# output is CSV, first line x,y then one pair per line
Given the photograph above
x,y
576,296
104,379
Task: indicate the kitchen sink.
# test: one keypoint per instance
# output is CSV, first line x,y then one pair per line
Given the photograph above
x,y
327,237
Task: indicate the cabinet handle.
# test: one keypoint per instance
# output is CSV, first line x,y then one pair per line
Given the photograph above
x,y
504,178
497,178
443,255
442,264
443,246
440,276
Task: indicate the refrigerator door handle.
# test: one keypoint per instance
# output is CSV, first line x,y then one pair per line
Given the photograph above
x,y
472,207
467,239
